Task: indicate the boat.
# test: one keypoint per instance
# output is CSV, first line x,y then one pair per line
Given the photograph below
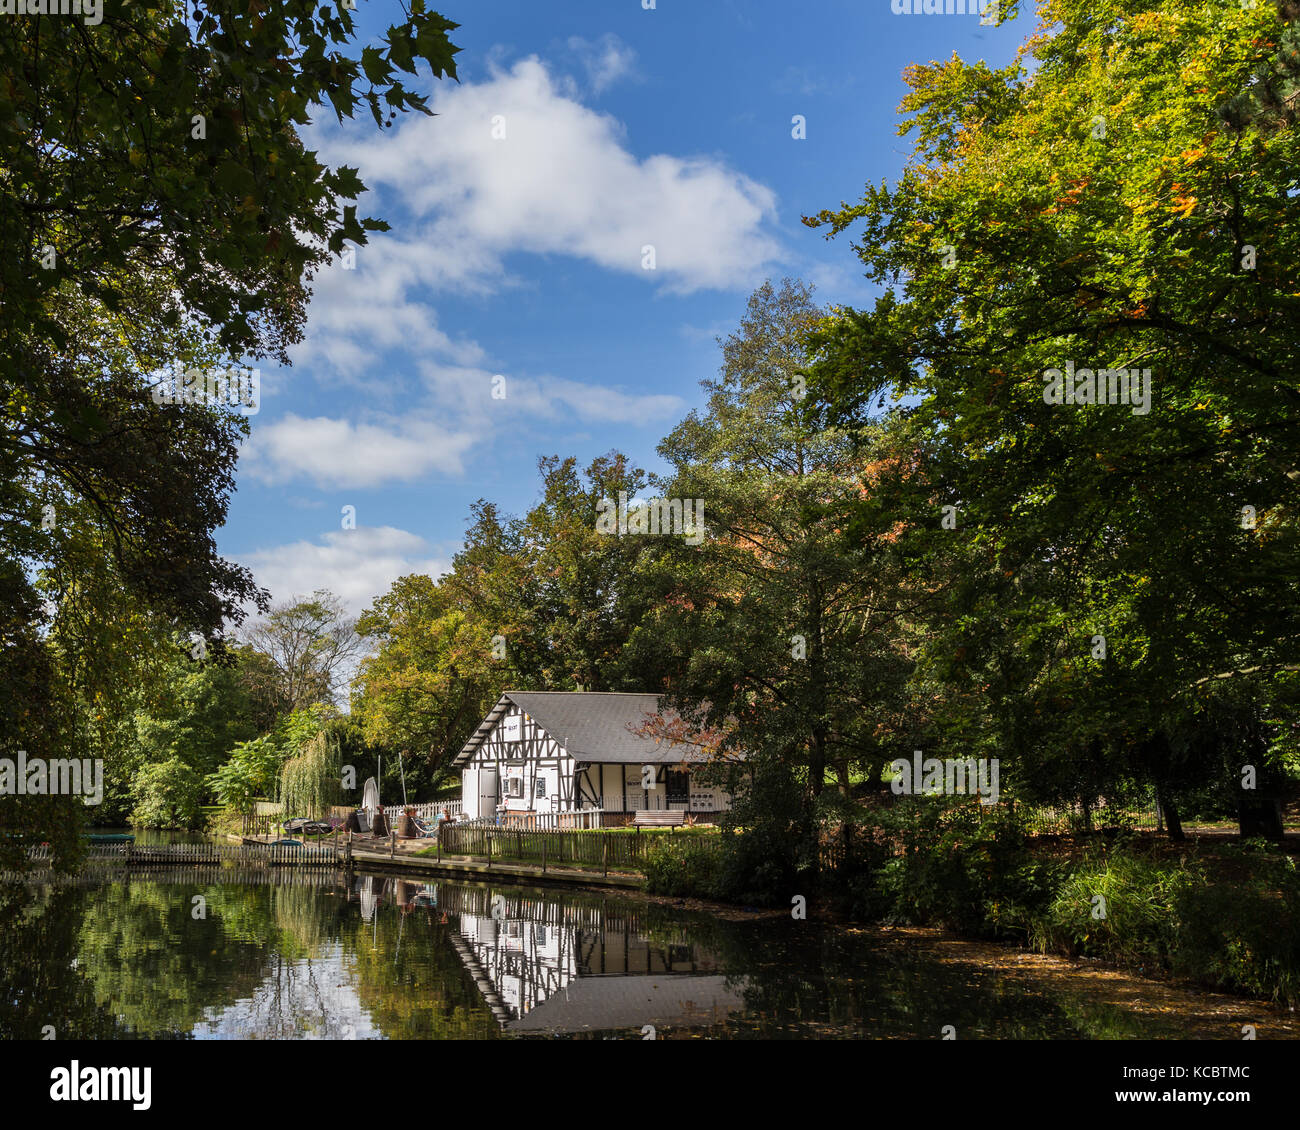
x,y
301,826
109,837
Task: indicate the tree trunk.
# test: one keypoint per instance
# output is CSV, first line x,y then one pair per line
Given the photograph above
x,y
817,764
1259,816
1173,824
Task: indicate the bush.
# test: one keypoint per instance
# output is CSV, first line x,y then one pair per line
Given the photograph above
x,y
1119,907
958,869
769,840
1243,936
685,866
168,795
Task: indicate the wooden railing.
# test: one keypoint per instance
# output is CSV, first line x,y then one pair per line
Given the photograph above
x,y
327,854
583,847
260,824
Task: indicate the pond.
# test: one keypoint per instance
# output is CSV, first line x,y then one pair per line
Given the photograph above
x,y
294,954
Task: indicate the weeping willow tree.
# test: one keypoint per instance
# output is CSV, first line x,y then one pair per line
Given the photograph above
x,y
312,781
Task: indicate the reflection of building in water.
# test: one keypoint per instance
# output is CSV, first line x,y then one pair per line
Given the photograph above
x,y
374,891
370,889
549,966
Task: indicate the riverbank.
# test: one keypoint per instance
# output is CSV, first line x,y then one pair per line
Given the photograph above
x,y
402,857
1209,913
1095,987
465,867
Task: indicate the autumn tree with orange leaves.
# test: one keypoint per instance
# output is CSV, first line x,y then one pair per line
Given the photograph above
x,y
1124,195
789,630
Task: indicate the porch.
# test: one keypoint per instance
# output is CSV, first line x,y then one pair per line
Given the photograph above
x,y
617,790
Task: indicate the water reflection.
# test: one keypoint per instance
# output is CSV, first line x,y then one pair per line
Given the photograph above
x,y
544,965
278,953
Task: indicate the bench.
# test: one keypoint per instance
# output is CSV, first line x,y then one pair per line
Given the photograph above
x,y
659,818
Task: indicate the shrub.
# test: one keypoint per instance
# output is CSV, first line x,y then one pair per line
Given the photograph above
x,y
685,866
1119,907
168,795
776,843
1243,936
959,869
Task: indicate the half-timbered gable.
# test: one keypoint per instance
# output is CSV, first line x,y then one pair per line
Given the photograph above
x,y
530,767
543,753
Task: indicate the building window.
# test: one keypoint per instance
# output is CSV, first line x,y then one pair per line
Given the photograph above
x,y
514,786
540,792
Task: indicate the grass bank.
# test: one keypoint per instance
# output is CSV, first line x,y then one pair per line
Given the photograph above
x,y
1219,912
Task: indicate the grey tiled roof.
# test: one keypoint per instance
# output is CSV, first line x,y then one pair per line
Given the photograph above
x,y
592,726
629,1002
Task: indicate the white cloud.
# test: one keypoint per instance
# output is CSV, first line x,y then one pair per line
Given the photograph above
x,y
358,314
356,565
605,60
547,397
338,453
341,453
560,182
556,397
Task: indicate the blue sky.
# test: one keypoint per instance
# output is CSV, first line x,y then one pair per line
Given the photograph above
x,y
521,256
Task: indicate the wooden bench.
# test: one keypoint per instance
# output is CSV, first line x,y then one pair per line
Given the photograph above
x,y
659,818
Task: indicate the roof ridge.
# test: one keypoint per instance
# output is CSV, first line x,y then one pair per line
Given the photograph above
x,y
638,694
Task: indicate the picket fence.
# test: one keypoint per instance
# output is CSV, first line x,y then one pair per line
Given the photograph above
x,y
425,810
204,854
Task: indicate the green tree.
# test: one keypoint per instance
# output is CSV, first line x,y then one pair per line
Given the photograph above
x,y
250,772
196,712
168,794
1108,209
157,207
432,675
792,632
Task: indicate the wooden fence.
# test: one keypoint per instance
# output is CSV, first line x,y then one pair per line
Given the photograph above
x,y
260,824
426,810
204,854
552,847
